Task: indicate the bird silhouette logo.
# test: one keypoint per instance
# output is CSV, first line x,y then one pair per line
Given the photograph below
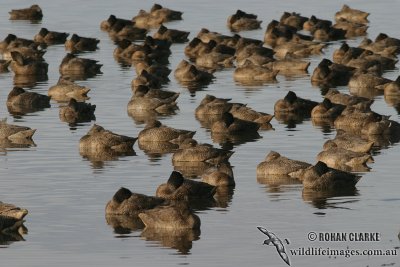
x,y
275,241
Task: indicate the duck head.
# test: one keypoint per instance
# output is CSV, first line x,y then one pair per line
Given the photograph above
x,y
291,97
272,156
122,194
15,92
175,179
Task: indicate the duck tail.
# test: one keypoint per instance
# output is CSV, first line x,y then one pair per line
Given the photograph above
x,y
26,134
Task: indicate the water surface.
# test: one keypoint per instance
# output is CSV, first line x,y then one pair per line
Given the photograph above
x,y
66,193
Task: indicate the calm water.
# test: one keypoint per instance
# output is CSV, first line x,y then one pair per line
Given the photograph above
x,y
66,194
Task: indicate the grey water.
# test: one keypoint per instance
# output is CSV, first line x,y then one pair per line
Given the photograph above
x,y
66,193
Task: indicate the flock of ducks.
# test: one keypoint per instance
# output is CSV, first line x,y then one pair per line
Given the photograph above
x,y
286,46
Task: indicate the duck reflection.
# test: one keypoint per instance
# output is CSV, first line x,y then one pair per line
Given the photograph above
x,y
8,237
194,87
97,158
157,149
369,93
29,81
124,224
192,169
277,183
227,141
330,199
6,144
290,119
143,116
179,239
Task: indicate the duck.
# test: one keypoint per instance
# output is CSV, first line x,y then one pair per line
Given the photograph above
x,y
155,131
150,99
145,20
351,142
290,66
352,15
293,19
313,20
164,13
246,113
367,59
186,72
15,132
146,79
34,12
100,139
231,125
77,111
79,44
26,66
257,54
326,109
367,81
342,159
125,202
386,40
106,25
121,30
320,177
352,29
248,72
340,98
242,21
12,41
332,74
20,97
28,52
176,216
145,91
355,120
341,52
172,35
126,48
11,217
50,37
298,49
191,151
291,103
179,188
276,164
153,68
324,33
220,175
66,89
278,33
215,60
211,105
205,35
197,47
391,88
380,48
73,65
